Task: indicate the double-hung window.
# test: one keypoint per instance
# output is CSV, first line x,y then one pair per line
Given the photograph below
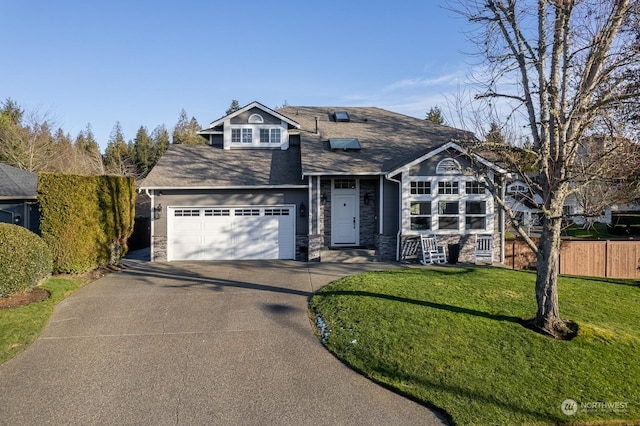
x,y
270,135
448,215
476,215
420,215
275,135
235,136
247,135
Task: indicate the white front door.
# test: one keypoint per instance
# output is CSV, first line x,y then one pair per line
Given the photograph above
x,y
344,217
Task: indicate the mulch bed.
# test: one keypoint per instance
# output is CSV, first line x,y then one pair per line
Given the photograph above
x,y
36,294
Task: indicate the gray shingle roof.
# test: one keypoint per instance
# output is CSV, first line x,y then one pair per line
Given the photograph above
x,y
388,139
204,166
17,183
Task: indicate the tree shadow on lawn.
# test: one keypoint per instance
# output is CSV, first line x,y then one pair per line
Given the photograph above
x,y
457,391
434,305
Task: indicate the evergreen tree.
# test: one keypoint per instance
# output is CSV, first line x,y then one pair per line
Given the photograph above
x,y
160,142
117,159
12,111
435,116
186,131
494,136
143,151
235,105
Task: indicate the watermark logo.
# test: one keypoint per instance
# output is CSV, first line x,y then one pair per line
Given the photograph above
x,y
571,407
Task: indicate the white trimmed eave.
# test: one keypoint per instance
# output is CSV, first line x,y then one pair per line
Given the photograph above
x,y
448,145
258,105
18,197
210,132
344,174
169,188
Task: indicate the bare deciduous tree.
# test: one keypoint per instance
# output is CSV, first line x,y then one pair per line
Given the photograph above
x,y
562,67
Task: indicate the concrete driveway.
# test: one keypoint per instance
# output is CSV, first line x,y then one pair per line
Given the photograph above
x,y
224,343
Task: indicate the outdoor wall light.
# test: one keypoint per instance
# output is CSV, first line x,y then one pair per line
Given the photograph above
x,y
367,198
17,219
157,211
303,209
323,197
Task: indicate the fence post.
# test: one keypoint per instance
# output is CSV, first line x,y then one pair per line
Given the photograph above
x,y
606,258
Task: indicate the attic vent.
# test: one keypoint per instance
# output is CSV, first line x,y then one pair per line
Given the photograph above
x,y
342,116
448,166
255,119
346,144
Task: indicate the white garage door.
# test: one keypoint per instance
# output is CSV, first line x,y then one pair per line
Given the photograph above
x,y
231,233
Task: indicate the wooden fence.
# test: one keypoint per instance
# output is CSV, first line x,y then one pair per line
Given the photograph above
x,y
600,258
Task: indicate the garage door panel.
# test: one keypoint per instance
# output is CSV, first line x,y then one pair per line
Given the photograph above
x,y
218,237
223,233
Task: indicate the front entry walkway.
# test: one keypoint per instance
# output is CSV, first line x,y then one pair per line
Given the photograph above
x,y
215,343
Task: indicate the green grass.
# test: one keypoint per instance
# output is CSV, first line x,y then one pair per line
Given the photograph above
x,y
451,338
598,230
20,326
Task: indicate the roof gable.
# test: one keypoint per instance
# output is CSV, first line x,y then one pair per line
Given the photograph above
x,y
250,106
447,146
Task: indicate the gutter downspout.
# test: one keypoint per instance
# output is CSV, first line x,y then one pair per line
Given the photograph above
x,y
399,215
151,231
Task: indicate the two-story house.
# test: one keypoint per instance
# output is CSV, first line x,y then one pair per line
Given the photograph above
x,y
288,183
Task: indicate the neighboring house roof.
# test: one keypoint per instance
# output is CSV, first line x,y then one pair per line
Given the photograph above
x,y
388,140
204,166
17,183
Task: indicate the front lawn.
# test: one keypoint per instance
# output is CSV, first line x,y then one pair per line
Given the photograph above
x,y
452,338
20,326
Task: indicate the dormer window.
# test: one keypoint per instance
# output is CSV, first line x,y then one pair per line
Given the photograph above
x,y
448,166
255,119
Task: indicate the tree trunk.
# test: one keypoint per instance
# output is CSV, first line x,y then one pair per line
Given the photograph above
x,y
548,315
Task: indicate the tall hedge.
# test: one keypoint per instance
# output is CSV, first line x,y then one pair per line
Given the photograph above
x,y
85,220
25,259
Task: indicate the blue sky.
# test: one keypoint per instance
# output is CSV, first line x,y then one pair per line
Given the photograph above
x,y
141,62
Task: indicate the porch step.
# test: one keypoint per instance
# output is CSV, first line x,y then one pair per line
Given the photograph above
x,y
348,256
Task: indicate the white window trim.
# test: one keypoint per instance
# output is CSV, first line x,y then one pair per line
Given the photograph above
x,y
462,197
256,140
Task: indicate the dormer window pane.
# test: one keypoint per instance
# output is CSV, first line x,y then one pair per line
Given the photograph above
x,y
275,135
235,135
247,135
264,135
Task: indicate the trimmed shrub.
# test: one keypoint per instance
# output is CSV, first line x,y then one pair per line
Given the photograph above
x,y
25,259
85,220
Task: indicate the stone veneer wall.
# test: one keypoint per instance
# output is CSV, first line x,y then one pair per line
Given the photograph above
x,y
386,247
325,213
159,249
368,214
314,246
467,247
302,248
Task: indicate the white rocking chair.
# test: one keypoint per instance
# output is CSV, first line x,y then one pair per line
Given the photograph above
x,y
431,251
483,248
